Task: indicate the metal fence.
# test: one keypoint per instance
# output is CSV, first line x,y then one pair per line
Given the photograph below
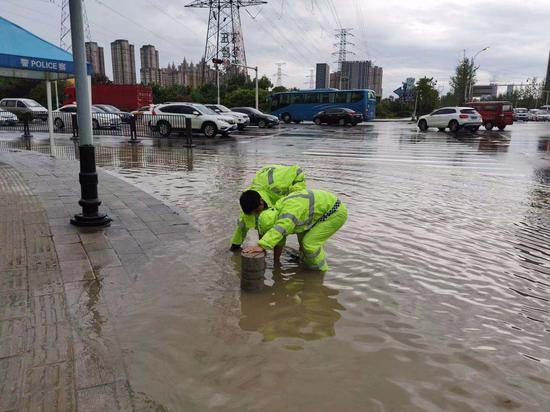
x,y
110,124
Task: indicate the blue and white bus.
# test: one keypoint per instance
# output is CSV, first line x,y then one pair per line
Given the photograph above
x,y
304,104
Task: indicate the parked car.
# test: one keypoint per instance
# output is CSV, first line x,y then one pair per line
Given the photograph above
x,y
107,108
242,119
521,113
171,116
454,118
257,118
341,116
494,113
7,118
543,116
532,114
143,110
100,119
20,107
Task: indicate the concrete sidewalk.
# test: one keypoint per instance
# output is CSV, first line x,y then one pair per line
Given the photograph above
x,y
59,348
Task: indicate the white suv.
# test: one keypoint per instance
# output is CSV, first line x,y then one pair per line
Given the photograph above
x,y
171,116
242,119
454,118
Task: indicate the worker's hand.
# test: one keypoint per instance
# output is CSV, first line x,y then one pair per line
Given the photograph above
x,y
253,249
234,247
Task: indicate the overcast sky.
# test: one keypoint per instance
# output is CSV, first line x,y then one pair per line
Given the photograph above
x,y
409,38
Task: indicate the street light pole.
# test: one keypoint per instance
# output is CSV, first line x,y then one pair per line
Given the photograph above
x,y
470,80
88,176
255,68
257,90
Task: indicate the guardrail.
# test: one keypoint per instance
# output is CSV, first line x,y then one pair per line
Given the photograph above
x,y
108,124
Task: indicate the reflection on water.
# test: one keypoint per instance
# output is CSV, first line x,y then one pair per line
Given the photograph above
x,y
295,305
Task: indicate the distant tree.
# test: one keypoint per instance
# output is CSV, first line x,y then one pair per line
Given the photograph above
x,y
463,79
264,83
279,89
448,100
531,94
428,96
246,97
16,87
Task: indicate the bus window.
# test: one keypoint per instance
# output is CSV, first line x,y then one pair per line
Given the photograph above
x,y
356,97
297,98
275,102
325,97
312,98
341,97
372,96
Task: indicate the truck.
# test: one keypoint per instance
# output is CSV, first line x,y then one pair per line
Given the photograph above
x,y
126,97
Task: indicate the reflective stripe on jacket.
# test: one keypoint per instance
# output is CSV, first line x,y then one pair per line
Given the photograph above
x,y
272,182
298,212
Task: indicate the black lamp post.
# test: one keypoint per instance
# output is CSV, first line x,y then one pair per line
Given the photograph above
x,y
89,201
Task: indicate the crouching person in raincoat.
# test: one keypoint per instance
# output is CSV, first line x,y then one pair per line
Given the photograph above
x,y
270,184
314,215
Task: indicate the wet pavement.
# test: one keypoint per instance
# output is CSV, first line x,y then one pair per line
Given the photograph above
x,y
437,297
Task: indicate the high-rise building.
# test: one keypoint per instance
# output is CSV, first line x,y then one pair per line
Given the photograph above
x,y
377,85
322,76
150,69
335,80
124,62
94,56
362,75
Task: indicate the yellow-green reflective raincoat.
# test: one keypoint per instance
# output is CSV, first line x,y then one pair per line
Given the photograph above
x,y
315,215
272,182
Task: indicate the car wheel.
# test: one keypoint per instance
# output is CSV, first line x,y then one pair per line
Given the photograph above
x,y
441,129
354,122
261,124
240,127
287,118
473,129
488,126
317,121
95,124
502,127
454,126
164,128
209,129
423,125
58,123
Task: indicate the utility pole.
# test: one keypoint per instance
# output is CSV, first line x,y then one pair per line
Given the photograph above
x,y
224,36
279,75
342,52
310,79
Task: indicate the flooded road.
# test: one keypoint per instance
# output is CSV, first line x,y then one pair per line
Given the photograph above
x,y
437,297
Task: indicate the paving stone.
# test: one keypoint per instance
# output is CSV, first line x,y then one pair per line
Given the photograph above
x,y
61,285
103,259
73,251
66,239
76,271
106,398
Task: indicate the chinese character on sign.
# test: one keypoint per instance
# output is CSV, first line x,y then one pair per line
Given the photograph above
x,y
62,67
24,62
